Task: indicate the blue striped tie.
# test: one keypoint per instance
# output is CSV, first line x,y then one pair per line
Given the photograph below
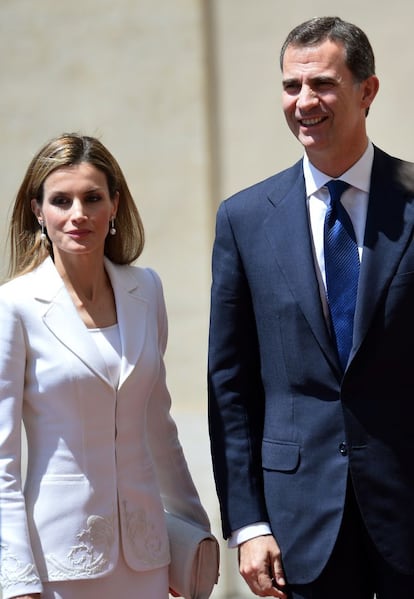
x,y
341,270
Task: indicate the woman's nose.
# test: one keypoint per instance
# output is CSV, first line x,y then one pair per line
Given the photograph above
x,y
78,211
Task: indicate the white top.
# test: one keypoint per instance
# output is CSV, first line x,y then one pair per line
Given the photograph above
x,y
108,342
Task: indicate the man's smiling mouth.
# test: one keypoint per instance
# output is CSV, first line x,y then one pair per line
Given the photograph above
x,y
311,122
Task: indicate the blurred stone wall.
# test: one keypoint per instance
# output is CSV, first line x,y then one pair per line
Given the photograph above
x,y
186,94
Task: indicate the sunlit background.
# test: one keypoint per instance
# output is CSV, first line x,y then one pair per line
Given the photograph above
x,y
186,95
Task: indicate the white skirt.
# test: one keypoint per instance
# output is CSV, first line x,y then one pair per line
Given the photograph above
x,y
121,583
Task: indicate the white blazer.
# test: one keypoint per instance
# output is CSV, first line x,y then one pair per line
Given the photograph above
x,y
100,458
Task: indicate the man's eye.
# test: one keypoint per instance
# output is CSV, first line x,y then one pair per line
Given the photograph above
x,y
291,88
325,85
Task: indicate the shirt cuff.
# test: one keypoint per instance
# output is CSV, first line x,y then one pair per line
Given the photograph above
x,y
246,533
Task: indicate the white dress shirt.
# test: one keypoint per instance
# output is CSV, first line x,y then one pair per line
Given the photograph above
x,y
355,201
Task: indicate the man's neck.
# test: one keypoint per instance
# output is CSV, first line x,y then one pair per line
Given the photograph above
x,y
334,165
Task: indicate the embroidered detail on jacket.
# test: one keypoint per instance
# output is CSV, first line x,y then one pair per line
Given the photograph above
x,y
12,571
90,556
145,539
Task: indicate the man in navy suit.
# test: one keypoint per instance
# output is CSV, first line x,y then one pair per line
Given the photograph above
x,y
312,447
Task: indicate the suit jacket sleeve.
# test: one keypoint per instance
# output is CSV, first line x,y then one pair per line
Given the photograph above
x,y
235,388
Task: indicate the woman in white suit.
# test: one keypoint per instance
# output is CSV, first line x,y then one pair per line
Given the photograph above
x,y
82,338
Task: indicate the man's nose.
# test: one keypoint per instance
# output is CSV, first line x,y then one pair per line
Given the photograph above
x,y
307,98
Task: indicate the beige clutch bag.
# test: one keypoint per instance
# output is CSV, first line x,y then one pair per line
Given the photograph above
x,y
195,557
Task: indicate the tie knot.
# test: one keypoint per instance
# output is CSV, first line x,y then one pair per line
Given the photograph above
x,y
336,188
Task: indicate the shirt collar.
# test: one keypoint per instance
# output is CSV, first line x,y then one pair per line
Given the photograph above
x,y
359,175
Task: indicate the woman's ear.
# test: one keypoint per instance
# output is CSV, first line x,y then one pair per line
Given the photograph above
x,y
36,208
115,202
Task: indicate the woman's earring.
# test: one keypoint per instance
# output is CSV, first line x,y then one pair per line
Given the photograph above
x,y
42,233
112,230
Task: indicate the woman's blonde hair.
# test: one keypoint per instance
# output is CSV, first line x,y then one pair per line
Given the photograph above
x,y
27,248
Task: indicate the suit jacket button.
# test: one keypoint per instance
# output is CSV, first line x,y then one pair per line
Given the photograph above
x,y
343,448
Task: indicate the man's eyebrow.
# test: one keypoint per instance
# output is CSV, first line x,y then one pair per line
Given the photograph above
x,y
324,79
290,81
316,79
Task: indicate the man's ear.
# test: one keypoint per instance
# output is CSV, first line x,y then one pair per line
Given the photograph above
x,y
370,90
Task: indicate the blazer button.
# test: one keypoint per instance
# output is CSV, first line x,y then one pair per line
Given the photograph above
x,y
343,448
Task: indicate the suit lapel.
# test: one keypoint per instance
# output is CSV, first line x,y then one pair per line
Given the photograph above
x,y
389,229
287,228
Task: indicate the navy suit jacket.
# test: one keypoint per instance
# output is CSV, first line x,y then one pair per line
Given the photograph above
x,y
286,427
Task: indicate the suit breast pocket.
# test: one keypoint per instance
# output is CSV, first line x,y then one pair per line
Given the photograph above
x,y
399,299
402,278
280,456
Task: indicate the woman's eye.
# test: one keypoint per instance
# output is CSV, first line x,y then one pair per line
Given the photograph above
x,y
94,198
60,201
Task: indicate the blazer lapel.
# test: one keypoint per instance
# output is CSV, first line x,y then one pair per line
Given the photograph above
x,y
131,306
287,228
63,320
389,229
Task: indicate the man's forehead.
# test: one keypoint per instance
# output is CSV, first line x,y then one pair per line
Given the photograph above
x,y
324,57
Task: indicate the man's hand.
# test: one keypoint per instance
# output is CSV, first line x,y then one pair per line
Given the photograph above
x,y
260,564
